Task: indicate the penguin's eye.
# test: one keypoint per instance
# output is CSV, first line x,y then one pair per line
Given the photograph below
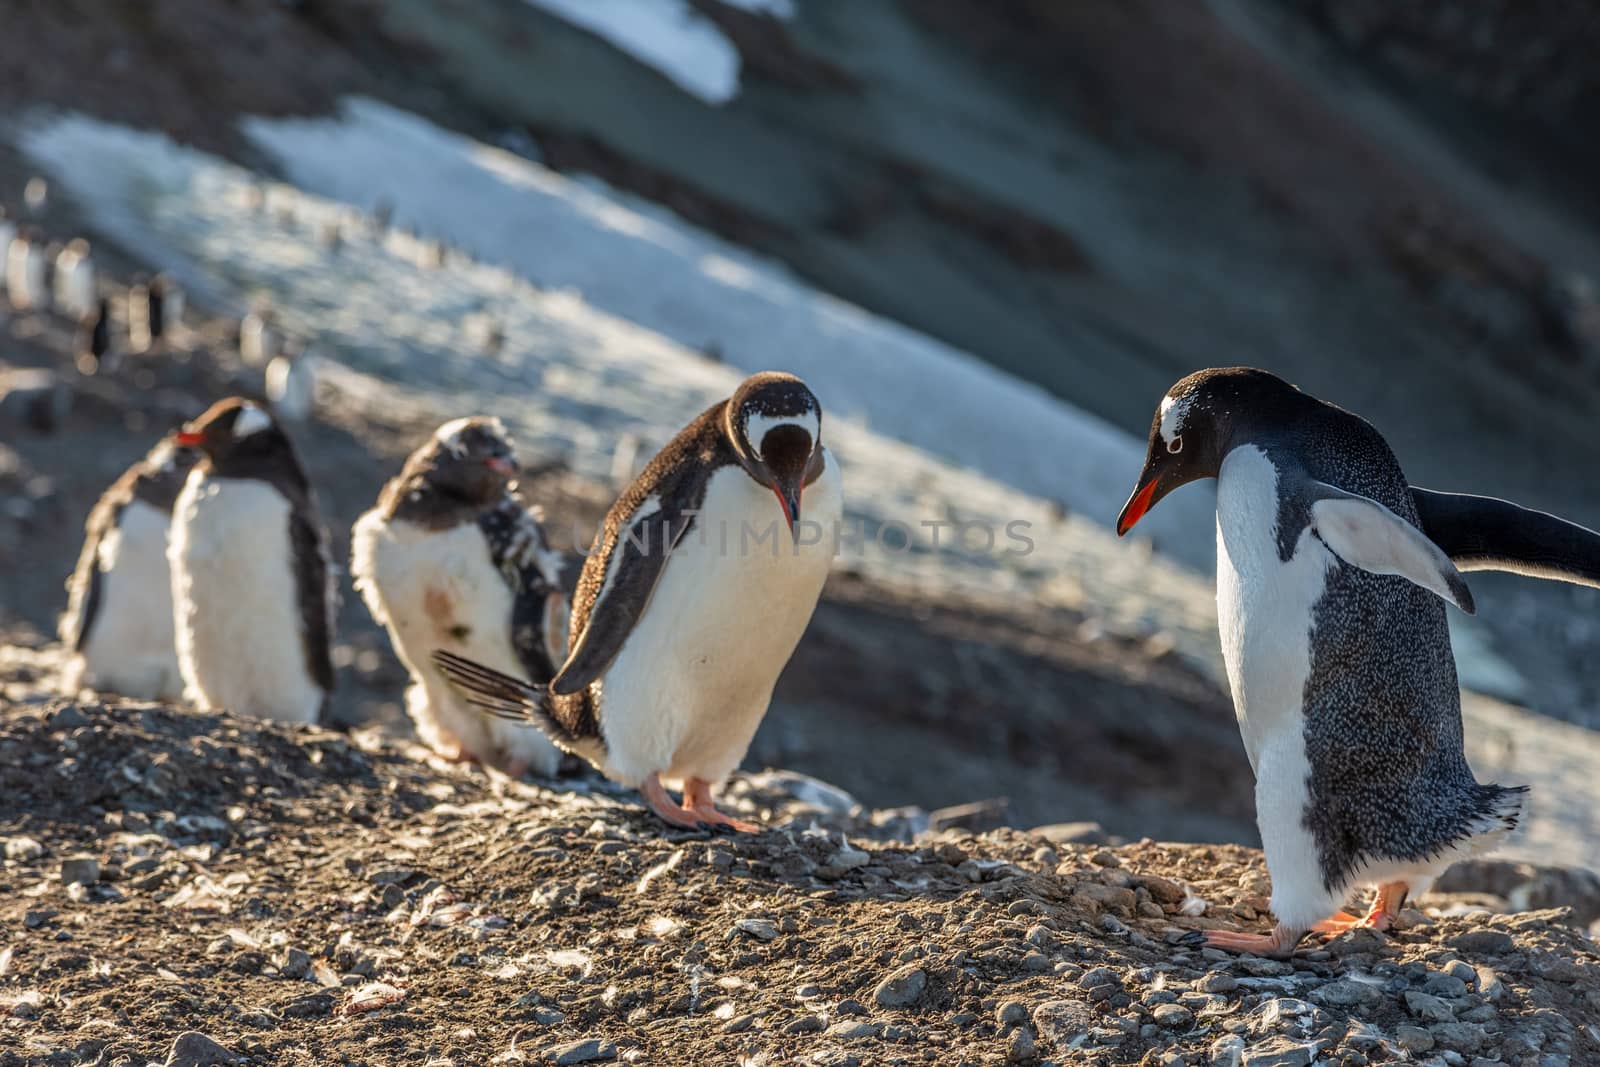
x,y
1175,445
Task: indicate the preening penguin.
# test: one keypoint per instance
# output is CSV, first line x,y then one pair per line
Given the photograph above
x,y
450,558
1331,609
118,622
251,585
700,584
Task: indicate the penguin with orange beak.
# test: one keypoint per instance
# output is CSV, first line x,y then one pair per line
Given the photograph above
x,y
1333,581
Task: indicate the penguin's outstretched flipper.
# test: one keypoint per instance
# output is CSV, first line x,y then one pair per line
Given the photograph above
x,y
1365,534
1483,533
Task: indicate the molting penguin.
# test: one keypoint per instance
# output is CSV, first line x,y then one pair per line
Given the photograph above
x,y
450,558
691,602
118,622
251,585
1331,591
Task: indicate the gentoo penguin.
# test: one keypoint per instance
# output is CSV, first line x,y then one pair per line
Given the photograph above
x,y
74,280
697,591
450,558
118,622
94,352
251,585
291,382
259,339
25,270
154,310
1331,609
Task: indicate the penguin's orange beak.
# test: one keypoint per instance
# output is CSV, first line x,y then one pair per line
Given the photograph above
x,y
501,465
789,499
1137,505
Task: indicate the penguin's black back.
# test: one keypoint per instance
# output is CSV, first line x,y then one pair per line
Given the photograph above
x,y
1389,778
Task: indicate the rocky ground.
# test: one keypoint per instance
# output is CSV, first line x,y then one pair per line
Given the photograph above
x,y
196,889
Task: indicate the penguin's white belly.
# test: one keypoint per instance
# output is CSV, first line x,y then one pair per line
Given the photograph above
x,y
236,611
694,678
129,649
1264,611
25,271
440,590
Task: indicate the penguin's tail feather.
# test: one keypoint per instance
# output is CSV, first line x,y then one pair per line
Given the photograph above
x,y
1499,811
503,696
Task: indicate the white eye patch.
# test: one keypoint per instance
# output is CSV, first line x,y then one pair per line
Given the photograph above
x,y
1174,409
757,427
250,420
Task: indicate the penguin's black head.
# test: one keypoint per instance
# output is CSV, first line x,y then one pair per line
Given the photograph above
x,y
236,438
1198,421
472,459
775,424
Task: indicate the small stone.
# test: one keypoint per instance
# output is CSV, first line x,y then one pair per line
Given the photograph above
x,y
194,1049
1428,1007
80,870
1445,985
23,849
1227,1051
849,858
1460,1037
853,1030
1022,1047
1099,976
806,1024
1072,833
902,988
1413,1038
1348,993
760,929
1173,1016
1163,890
1483,942
310,1006
850,1006
1279,1052
296,964
587,1050
1012,1013
739,1024
1462,970
1036,962
1217,982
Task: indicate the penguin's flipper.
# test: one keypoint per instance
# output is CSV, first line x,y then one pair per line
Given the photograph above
x,y
1482,533
633,566
506,697
1365,534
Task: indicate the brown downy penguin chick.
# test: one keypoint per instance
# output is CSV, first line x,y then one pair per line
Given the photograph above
x,y
118,622
450,558
697,591
252,589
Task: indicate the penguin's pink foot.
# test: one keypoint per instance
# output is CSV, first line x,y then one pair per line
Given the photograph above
x,y
1386,906
667,809
697,797
1279,944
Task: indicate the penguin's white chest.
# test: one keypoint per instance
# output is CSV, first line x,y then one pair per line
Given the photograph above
x,y
25,274
1264,615
694,679
129,649
237,615
439,589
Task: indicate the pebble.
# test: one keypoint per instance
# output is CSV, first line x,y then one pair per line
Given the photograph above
x,y
296,964
1099,976
1012,1013
1227,1051
854,1030
1172,1016
1217,982
1022,1047
1347,993
901,988
760,929
806,1024
194,1049
1428,1007
1483,942
588,1050
1462,970
23,849
80,870
1413,1038
850,1006
1280,1052
309,1006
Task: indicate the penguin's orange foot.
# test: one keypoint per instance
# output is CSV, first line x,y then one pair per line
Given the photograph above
x,y
1385,908
668,810
1338,923
1279,944
697,797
